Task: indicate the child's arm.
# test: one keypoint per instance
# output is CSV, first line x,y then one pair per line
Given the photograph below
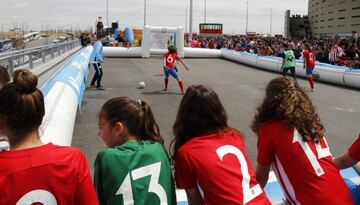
x,y
262,174
165,63
182,62
344,161
193,196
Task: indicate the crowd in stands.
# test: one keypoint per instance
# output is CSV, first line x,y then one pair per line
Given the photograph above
x,y
342,52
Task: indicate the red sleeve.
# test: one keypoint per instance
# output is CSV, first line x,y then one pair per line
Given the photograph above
x,y
265,148
306,55
185,179
85,192
177,57
354,150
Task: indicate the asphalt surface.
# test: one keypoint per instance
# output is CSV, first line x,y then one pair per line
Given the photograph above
x,y
39,42
241,89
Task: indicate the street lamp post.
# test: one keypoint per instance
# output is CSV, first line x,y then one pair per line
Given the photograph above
x,y
247,16
186,14
271,10
107,12
191,20
205,13
144,12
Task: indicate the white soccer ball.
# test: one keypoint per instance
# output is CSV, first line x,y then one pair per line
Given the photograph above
x,y
141,85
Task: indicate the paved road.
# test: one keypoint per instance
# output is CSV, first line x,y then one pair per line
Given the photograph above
x,y
39,42
240,88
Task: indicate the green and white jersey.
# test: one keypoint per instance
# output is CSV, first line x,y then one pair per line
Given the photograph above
x,y
289,59
137,172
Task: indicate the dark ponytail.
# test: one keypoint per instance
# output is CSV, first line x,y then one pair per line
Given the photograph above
x,y
150,128
136,115
22,105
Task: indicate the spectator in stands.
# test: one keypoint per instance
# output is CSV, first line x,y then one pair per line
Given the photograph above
x,y
82,39
355,38
288,62
349,159
33,172
4,76
335,53
291,137
96,58
135,154
206,152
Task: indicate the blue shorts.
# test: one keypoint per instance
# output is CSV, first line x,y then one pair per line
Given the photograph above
x,y
309,71
171,72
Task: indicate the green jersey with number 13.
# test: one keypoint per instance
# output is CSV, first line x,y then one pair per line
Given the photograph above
x,y
136,172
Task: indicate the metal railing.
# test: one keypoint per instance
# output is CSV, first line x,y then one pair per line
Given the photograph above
x,y
36,56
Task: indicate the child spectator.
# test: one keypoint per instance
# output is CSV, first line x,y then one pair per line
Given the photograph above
x,y
349,159
135,169
211,163
33,172
290,136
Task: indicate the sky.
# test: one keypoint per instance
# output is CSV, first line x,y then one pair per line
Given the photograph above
x,y
81,14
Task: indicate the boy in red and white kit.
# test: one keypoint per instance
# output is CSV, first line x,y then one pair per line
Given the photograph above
x,y
309,65
169,67
290,139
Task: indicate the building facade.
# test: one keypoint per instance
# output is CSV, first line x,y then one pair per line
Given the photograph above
x,y
331,18
297,26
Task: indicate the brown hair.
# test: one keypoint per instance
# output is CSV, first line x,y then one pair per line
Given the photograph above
x,y
200,112
21,105
4,76
286,101
172,49
136,115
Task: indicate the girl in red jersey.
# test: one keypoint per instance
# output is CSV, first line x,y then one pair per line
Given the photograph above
x,y
309,65
349,159
291,138
170,69
31,172
211,163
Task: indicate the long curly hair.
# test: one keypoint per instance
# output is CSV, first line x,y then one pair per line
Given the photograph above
x,y
286,101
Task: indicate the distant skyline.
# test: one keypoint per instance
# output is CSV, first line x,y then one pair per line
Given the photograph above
x,y
81,14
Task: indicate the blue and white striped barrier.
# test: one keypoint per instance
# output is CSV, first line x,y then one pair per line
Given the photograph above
x,y
63,95
328,73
